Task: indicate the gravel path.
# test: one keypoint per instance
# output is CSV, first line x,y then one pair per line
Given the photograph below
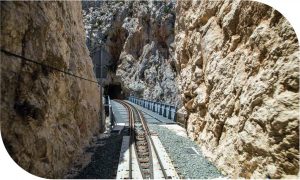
x,y
193,166
105,158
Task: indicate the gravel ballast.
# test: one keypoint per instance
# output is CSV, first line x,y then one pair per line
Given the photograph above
x,y
189,166
105,158
104,162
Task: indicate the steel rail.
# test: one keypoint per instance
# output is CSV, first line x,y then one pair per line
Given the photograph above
x,y
136,116
133,118
154,148
147,136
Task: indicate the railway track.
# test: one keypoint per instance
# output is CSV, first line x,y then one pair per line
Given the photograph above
x,y
143,146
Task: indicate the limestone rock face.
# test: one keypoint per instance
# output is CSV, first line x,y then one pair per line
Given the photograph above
x,y
238,66
137,41
46,116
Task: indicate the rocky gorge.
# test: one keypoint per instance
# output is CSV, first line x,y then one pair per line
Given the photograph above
x,y
137,43
234,76
231,67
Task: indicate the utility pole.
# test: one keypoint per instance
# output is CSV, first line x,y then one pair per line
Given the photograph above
x,y
97,61
102,121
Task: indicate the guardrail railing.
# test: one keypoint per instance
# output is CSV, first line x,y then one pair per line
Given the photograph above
x,y
166,110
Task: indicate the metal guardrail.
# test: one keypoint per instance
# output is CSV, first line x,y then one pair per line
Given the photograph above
x,y
166,110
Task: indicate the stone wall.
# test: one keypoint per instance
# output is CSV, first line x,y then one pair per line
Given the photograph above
x,y
46,116
239,74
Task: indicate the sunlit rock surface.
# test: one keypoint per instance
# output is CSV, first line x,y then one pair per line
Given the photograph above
x,y
46,116
238,66
137,40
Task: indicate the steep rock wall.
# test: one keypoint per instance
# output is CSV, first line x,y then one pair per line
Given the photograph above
x,y
46,116
239,74
137,42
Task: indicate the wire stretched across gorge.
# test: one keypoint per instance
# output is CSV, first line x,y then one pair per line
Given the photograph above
x,y
46,66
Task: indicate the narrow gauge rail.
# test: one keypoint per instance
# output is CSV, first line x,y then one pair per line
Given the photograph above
x,y
140,136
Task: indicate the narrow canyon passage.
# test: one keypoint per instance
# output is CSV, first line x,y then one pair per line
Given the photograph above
x,y
150,89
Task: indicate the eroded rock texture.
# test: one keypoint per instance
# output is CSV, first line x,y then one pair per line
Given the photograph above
x,y
137,41
46,116
239,75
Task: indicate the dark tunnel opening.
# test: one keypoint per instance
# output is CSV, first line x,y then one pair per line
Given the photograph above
x,y
114,91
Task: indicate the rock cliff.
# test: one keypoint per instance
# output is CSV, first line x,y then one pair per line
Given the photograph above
x,y
238,66
46,116
136,40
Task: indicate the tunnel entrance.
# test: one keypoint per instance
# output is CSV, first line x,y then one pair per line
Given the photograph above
x,y
114,91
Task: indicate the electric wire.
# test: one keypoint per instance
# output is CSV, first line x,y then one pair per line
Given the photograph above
x,y
46,66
